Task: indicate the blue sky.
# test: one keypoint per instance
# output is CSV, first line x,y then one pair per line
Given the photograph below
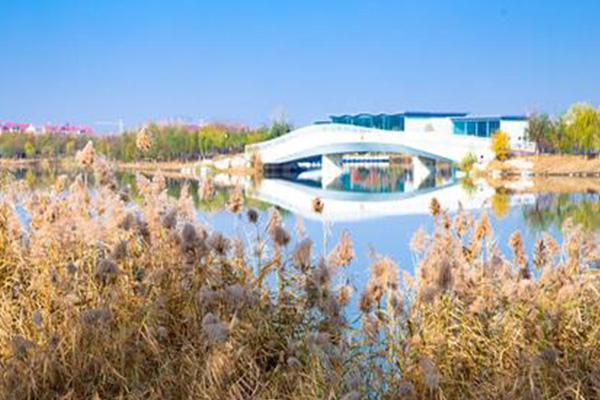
x,y
242,61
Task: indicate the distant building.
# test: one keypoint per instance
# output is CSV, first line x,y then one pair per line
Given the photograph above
x,y
11,127
457,123
67,130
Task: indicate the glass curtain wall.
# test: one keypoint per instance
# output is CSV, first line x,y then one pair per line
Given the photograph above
x,y
481,127
476,127
394,122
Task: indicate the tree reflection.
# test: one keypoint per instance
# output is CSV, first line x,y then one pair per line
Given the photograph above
x,y
501,203
552,210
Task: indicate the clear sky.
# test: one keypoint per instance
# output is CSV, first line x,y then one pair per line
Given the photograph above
x,y
89,60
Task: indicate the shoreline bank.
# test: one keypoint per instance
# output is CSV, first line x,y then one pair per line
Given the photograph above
x,y
563,166
539,166
546,184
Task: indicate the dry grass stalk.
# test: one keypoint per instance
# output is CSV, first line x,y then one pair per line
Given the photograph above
x,y
143,141
99,299
102,300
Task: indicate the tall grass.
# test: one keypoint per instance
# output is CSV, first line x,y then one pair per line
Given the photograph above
x,y
103,298
476,324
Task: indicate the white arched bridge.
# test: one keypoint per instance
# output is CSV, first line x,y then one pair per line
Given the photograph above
x,y
328,139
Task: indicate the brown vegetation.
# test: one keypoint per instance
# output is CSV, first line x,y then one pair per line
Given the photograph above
x,y
102,299
152,166
550,184
564,164
552,165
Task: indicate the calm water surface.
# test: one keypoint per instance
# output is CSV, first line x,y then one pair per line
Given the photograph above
x,y
390,207
381,207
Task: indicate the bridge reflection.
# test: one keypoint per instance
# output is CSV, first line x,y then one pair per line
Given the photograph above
x,y
340,205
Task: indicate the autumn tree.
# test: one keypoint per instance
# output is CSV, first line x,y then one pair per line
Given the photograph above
x,y
539,130
501,145
211,138
29,150
583,128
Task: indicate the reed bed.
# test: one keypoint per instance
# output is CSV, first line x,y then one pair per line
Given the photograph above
x,y
104,298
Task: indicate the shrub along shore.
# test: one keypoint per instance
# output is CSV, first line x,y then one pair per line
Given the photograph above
x,y
575,132
104,298
166,143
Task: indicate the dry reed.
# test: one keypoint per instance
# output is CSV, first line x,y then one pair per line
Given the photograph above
x,y
101,298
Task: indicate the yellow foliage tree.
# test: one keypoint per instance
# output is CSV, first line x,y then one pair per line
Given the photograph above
x,y
501,145
583,128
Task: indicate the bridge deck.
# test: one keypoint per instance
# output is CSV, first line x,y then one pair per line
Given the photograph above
x,y
322,139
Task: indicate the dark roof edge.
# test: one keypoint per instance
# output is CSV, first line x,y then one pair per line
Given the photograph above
x,y
414,114
500,117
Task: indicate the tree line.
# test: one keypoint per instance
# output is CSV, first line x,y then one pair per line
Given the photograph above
x,y
168,142
575,132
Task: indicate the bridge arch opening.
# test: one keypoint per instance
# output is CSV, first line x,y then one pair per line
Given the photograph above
x,y
330,170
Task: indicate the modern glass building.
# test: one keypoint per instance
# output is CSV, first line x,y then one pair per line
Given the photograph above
x,y
390,122
457,123
481,126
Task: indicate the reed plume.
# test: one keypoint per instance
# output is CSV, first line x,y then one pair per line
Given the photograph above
x,y
107,298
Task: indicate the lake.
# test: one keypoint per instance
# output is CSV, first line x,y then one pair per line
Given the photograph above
x,y
380,206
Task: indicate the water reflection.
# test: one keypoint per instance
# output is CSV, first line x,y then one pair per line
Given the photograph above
x,y
551,210
362,192
367,192
381,208
383,180
366,177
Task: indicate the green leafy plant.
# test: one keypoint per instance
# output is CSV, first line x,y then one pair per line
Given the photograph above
x,y
467,163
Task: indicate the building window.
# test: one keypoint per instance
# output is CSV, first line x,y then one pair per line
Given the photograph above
x,y
494,127
482,129
385,122
459,127
382,121
471,128
365,121
378,122
396,123
477,127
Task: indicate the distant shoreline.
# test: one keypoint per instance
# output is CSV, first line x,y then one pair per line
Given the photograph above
x,y
561,166
181,168
558,166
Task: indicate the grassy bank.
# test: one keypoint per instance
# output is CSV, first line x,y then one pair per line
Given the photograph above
x,y
24,162
547,184
154,166
100,298
547,165
218,162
